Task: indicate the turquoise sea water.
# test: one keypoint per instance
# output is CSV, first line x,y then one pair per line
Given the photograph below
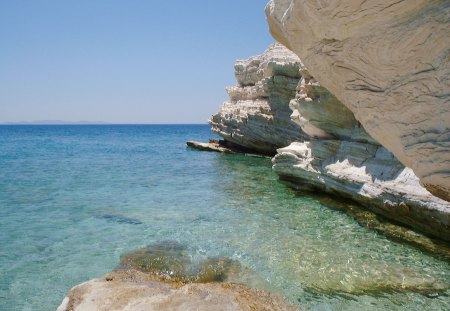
x,y
74,198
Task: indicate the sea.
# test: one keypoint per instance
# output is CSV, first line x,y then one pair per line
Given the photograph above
x,y
74,198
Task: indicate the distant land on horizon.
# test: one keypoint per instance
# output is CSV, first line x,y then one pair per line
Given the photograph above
x,y
52,122
61,122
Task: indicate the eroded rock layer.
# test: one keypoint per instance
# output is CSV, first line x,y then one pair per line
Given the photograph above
x,y
257,115
388,61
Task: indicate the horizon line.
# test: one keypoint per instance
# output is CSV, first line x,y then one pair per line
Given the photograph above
x,y
94,123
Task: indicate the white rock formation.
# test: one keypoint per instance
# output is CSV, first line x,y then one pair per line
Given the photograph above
x,y
388,61
257,116
330,149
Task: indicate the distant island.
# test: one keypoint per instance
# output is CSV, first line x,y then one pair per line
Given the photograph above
x,y
54,122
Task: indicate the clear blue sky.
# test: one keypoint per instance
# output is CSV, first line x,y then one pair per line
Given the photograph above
x,y
127,61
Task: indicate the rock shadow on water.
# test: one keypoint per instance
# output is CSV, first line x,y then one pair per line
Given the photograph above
x,y
120,219
170,261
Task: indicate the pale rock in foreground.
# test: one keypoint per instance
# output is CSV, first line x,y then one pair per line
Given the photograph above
x,y
134,290
388,61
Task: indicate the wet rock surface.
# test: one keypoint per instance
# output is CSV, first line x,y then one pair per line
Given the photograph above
x,y
170,261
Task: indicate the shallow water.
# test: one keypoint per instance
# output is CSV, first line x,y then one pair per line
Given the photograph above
x,y
74,198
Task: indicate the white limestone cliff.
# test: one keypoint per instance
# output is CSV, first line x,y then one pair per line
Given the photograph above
x,y
388,62
325,146
257,115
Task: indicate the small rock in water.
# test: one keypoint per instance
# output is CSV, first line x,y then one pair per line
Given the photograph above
x,y
170,261
216,269
165,259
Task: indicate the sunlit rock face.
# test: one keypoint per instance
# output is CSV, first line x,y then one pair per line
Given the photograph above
x,y
133,290
388,62
257,115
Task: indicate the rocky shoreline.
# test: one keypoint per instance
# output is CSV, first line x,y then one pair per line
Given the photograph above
x,y
331,151
375,130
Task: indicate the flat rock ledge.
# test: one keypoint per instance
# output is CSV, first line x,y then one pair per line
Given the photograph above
x,y
368,174
223,146
132,290
212,145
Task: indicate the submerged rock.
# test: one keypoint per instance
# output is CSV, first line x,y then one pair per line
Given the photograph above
x,y
377,280
121,219
167,260
170,261
388,62
392,231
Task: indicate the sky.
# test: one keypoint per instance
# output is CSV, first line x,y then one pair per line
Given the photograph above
x,y
127,61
